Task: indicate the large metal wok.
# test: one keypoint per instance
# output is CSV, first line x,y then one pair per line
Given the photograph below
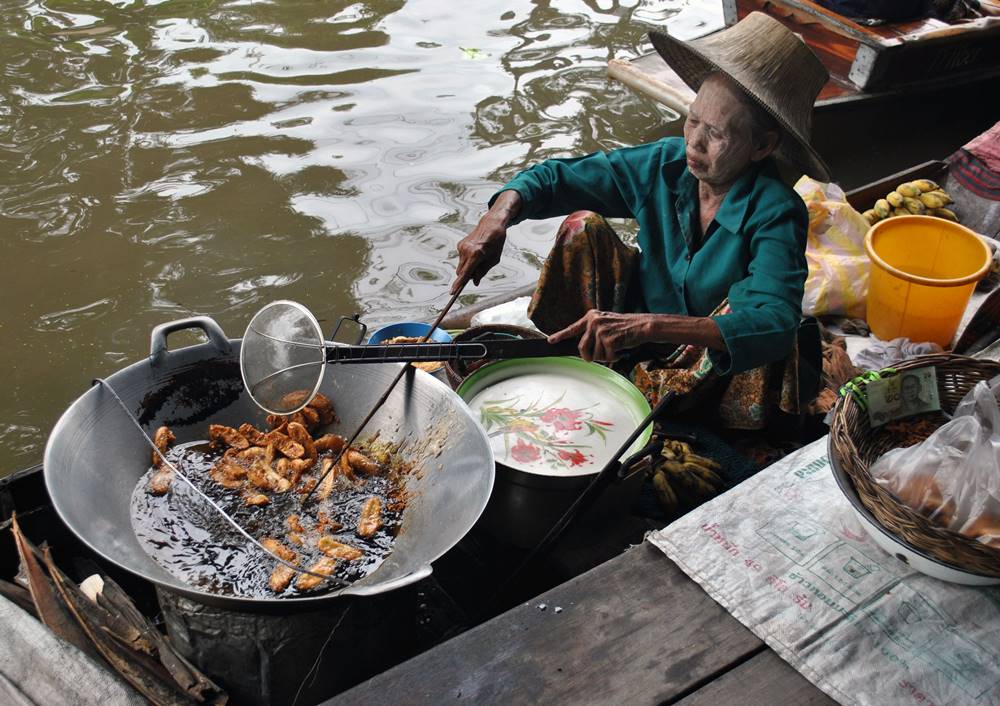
x,y
95,455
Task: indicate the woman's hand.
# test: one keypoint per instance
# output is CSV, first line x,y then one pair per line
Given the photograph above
x,y
605,335
480,250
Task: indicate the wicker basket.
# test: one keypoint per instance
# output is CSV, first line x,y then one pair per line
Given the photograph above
x,y
855,446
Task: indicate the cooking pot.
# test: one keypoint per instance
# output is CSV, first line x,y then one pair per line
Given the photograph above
x,y
95,455
528,500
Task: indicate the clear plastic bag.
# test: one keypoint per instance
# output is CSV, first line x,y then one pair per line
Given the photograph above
x,y
953,476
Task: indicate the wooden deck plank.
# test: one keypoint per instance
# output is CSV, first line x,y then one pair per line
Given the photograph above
x,y
633,630
762,680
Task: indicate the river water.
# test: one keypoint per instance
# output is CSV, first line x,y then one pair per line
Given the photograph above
x,y
165,159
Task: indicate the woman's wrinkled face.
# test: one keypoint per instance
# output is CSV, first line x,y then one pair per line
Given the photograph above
x,y
717,134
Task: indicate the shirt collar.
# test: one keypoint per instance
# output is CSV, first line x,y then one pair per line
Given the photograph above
x,y
733,210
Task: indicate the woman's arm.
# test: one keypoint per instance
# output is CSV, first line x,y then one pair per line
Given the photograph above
x,y
605,336
480,250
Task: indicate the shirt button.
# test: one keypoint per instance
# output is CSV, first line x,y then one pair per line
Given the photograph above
x,y
688,257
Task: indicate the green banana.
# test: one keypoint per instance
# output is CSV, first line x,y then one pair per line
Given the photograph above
x,y
925,185
911,190
881,207
945,213
895,199
933,200
943,195
914,206
665,494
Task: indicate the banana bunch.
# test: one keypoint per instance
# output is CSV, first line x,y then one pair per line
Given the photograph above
x,y
684,480
919,198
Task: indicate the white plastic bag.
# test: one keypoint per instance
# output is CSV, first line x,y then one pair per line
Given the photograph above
x,y
953,476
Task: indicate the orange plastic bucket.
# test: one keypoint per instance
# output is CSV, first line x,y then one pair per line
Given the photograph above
x,y
922,275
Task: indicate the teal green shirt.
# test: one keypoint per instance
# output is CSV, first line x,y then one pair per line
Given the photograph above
x,y
753,252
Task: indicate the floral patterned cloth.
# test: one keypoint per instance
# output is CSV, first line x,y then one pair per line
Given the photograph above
x,y
591,268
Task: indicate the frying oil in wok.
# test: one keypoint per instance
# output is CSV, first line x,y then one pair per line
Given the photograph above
x,y
196,544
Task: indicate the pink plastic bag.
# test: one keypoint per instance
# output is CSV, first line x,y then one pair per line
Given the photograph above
x,y
953,476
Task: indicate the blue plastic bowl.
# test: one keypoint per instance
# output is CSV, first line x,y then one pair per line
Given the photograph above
x,y
410,329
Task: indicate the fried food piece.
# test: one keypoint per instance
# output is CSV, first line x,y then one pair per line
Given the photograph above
x,y
298,434
162,440
255,499
267,478
325,524
228,475
281,578
371,518
307,485
328,474
254,453
278,549
294,524
307,417
330,442
294,399
228,436
159,482
321,403
296,538
338,550
283,467
282,575
297,467
252,434
277,422
359,462
286,446
324,566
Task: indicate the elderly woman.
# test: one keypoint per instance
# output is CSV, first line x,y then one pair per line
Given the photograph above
x,y
721,265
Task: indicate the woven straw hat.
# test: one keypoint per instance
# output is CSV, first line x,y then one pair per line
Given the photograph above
x,y
772,66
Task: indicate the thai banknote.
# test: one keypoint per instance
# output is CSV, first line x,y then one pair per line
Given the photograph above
x,y
903,395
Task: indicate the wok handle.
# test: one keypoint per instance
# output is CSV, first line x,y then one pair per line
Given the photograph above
x,y
158,338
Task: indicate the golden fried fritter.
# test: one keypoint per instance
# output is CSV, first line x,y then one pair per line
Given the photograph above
x,y
252,434
297,467
227,435
278,549
330,442
294,399
309,418
360,462
321,403
162,440
286,446
281,578
159,482
299,434
257,499
325,524
294,524
326,485
282,575
324,566
338,550
371,518
228,475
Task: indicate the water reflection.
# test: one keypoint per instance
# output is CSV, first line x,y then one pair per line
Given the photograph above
x,y
161,159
